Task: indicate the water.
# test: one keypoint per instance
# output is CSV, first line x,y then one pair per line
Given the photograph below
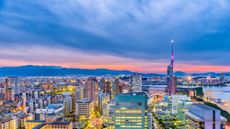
x,y
219,92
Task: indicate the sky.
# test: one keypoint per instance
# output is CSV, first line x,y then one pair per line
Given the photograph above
x,y
116,34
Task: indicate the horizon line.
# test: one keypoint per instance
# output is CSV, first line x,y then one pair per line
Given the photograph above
x,y
139,71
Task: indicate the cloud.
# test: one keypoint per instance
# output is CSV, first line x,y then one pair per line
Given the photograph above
x,y
135,29
73,58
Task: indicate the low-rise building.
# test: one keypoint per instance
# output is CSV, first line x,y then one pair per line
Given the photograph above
x,y
204,117
9,123
51,113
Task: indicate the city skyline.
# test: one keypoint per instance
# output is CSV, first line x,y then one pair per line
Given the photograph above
x,y
114,64
97,34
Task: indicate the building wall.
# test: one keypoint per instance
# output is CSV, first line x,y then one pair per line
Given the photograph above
x,y
83,109
57,126
32,124
131,111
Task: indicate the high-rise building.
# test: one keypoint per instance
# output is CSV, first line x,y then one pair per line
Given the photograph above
x,y
136,83
12,89
84,108
171,79
36,95
118,86
131,111
24,99
79,94
108,115
7,89
102,85
92,88
103,100
108,88
68,106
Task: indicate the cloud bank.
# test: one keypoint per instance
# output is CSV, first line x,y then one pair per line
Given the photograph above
x,y
137,30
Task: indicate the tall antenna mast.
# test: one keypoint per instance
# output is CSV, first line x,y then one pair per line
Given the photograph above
x,y
172,54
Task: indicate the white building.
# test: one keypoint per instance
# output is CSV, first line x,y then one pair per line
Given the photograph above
x,y
176,101
84,107
204,117
150,120
136,83
51,113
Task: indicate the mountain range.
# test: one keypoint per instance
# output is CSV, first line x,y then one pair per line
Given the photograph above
x,y
32,70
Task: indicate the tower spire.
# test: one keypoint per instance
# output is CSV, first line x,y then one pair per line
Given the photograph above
x,y
171,79
172,53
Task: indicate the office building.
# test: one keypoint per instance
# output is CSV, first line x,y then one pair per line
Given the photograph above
x,y
136,83
92,88
83,108
131,111
103,100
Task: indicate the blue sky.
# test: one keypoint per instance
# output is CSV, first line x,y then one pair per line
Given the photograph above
x,y
83,33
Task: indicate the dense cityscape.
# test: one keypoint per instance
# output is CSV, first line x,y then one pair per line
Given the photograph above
x,y
113,102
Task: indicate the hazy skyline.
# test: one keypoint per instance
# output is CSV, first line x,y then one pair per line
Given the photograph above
x,y
116,34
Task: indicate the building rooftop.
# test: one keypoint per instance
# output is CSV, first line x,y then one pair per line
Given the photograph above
x,y
39,126
204,107
59,122
54,106
194,117
137,98
35,121
5,120
84,101
133,94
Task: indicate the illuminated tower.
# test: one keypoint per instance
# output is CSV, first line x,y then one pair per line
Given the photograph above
x,y
171,79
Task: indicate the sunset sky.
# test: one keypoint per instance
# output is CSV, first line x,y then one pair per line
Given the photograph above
x,y
116,34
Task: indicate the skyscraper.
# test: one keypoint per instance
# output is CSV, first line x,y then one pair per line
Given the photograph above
x,y
136,83
118,86
171,79
8,89
92,88
131,111
102,85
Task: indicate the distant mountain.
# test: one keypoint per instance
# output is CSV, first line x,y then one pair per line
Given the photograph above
x,y
32,70
207,74
180,74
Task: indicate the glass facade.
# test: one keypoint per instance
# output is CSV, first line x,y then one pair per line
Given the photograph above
x,y
131,111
